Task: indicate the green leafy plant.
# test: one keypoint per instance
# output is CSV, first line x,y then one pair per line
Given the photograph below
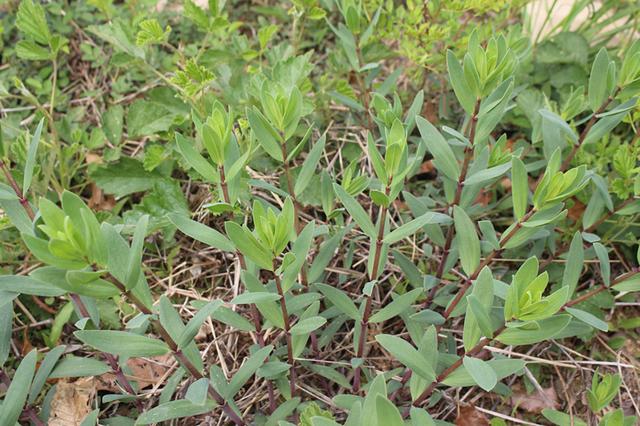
x,y
263,197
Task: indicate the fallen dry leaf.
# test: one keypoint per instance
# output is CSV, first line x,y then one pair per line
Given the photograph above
x,y
576,211
72,402
537,401
427,167
145,371
468,415
506,184
483,198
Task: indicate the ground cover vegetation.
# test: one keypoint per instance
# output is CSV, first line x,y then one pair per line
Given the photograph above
x,y
319,212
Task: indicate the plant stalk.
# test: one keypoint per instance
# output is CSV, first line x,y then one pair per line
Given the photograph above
x,y
287,332
364,324
468,155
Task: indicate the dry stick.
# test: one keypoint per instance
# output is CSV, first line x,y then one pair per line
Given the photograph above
x,y
111,359
364,324
255,314
468,154
177,353
485,341
287,332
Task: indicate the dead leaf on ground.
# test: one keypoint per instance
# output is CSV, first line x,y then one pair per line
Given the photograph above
x,y
427,167
576,211
537,401
483,198
468,415
72,402
145,371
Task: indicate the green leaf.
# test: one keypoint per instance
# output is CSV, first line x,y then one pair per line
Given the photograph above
x,y
476,321
248,369
270,310
444,158
416,224
481,372
459,83
598,80
31,158
265,133
575,263
309,166
630,284
32,51
562,419
6,325
248,245
117,34
174,410
72,366
300,249
46,367
134,268
6,193
27,285
171,320
197,391
468,241
399,304
340,300
308,325
16,395
145,118
201,232
607,123
409,356
192,327
420,417
519,187
603,258
257,297
32,21
534,331
487,175
196,160
122,343
124,177
588,318
112,123
502,367
388,414
481,315
356,211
